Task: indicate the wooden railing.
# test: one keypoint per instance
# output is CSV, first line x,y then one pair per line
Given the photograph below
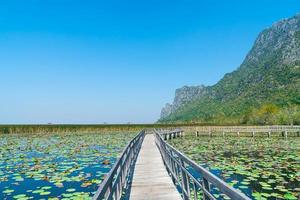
x,y
115,182
271,128
193,180
166,135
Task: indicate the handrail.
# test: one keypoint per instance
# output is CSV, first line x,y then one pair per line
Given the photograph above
x,y
284,130
171,134
269,128
114,183
180,166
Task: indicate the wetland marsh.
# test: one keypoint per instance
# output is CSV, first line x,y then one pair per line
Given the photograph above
x,y
57,166
261,167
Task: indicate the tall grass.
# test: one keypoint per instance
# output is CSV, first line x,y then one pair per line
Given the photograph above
x,y
69,128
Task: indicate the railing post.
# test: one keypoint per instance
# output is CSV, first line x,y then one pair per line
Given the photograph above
x,y
112,186
173,167
184,182
205,185
180,165
285,134
195,191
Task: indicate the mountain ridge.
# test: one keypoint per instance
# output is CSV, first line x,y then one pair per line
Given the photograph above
x,y
266,84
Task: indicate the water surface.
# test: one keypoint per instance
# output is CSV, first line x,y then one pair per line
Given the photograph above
x,y
57,166
261,167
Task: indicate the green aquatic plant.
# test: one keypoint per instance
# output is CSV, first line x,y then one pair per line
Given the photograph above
x,y
66,165
262,168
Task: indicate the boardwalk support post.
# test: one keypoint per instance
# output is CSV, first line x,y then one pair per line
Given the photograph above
x,y
285,133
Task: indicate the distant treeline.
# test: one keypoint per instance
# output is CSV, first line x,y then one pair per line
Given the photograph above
x,y
246,114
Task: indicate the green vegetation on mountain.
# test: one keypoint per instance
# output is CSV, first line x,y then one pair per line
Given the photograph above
x,y
265,89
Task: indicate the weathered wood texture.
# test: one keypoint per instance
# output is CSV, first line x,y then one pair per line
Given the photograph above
x,y
150,179
183,170
245,130
273,128
114,183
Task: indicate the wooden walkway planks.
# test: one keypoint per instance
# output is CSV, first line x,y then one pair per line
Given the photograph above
x,y
150,179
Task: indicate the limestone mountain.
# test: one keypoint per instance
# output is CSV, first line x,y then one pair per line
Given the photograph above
x,y
265,89
183,96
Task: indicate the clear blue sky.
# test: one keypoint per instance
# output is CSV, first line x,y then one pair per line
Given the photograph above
x,y
119,61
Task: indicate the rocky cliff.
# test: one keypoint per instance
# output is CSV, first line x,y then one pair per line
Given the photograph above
x,y
183,96
265,89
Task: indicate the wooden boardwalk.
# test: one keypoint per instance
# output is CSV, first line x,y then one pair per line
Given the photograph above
x,y
150,179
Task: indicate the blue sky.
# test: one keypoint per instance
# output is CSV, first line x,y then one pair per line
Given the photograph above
x,y
119,61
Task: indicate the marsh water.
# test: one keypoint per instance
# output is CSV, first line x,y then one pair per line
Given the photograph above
x,y
261,167
57,166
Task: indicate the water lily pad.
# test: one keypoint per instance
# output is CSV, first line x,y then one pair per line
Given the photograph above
x,y
45,193
46,187
19,196
71,190
268,167
7,191
290,196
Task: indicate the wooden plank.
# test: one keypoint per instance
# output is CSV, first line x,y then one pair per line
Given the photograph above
x,y
150,179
